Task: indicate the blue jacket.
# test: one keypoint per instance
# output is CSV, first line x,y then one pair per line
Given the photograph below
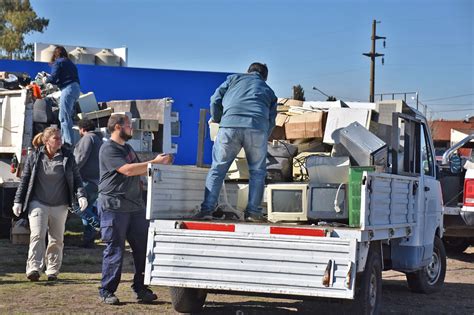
x,y
244,101
63,73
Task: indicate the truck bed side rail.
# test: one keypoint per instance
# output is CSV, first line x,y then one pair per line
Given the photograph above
x,y
388,201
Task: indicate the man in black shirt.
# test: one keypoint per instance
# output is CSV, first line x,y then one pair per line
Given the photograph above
x,y
122,210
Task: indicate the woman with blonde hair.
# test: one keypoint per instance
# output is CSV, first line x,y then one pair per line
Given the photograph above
x,y
49,184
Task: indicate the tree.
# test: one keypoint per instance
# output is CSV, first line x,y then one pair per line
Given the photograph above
x,y
17,19
298,93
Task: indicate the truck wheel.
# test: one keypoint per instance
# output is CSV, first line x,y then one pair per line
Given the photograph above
x,y
431,278
368,294
187,300
455,245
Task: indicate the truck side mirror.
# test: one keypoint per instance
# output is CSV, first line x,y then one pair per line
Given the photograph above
x,y
455,164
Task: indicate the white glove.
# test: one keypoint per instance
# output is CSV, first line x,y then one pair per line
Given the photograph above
x,y
17,209
82,203
44,79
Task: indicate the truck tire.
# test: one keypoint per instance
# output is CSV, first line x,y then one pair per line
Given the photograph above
x,y
431,278
455,245
187,300
368,290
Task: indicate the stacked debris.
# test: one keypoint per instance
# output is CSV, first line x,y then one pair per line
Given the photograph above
x,y
13,80
327,146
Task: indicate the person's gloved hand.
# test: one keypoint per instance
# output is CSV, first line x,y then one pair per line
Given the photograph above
x,y
17,209
44,79
82,203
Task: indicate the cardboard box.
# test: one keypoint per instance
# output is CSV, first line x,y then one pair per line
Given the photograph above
x,y
308,125
278,133
313,145
152,109
289,102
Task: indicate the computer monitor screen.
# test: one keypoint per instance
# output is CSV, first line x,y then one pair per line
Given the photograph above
x,y
287,201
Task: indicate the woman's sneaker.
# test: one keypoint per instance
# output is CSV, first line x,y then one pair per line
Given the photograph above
x,y
145,295
52,278
33,276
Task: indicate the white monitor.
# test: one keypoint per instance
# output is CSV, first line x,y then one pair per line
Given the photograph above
x,y
287,202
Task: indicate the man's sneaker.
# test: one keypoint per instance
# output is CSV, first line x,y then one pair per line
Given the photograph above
x,y
203,215
52,278
109,298
254,217
145,295
33,276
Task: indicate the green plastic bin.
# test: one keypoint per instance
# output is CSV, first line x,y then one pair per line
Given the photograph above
x,y
355,182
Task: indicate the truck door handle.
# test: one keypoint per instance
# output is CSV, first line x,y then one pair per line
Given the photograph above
x,y
427,188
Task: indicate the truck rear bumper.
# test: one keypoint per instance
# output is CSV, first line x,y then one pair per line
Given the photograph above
x,y
468,217
250,261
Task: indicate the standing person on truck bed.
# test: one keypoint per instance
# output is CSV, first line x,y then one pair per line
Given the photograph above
x,y
47,187
86,153
245,108
122,210
64,75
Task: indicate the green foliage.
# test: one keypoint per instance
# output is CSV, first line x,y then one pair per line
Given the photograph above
x,y
298,93
17,19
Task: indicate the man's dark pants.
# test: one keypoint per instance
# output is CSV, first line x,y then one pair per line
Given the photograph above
x,y
116,227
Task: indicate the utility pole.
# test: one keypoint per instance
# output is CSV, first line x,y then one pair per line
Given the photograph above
x,y
372,56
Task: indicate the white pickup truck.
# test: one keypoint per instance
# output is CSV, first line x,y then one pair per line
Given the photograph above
x,y
457,182
401,225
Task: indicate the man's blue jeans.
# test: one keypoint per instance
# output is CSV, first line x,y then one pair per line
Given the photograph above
x,y
116,228
69,96
227,145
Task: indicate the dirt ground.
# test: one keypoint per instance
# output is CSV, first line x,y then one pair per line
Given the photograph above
x,y
76,291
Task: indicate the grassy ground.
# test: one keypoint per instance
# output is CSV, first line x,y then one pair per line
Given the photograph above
x,y
77,289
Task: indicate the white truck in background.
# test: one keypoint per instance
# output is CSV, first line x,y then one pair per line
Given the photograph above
x,y
16,131
457,182
401,226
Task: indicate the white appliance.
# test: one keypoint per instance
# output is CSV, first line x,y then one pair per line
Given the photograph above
x,y
287,202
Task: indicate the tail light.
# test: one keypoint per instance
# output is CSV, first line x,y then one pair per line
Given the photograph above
x,y
469,192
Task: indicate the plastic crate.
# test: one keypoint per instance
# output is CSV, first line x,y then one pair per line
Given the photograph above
x,y
354,192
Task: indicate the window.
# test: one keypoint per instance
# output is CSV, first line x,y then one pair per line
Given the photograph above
x,y
426,153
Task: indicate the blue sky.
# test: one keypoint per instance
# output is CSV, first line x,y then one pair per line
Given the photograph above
x,y
430,44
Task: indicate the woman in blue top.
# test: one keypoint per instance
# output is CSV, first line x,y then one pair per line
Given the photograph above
x,y
64,75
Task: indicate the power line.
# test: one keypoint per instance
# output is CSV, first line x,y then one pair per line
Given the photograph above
x,y
450,110
448,97
452,104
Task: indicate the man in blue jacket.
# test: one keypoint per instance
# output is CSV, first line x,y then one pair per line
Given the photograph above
x,y
245,108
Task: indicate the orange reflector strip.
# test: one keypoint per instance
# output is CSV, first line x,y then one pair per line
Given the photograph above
x,y
296,231
203,226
